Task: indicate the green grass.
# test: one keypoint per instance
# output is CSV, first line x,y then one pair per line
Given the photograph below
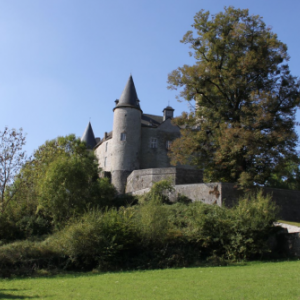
x,y
289,223
280,280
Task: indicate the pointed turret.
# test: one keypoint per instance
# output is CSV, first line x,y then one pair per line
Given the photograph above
x,y
126,138
129,96
89,137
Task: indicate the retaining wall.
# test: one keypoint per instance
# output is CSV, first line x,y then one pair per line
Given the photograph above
x,y
142,179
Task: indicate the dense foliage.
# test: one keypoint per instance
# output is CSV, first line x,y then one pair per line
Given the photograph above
x,y
286,176
245,99
59,182
152,234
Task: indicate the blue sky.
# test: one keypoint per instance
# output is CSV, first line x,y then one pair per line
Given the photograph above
x,y
64,62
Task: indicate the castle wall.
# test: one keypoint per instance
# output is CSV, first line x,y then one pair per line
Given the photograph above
x,y
103,152
157,157
226,194
287,200
209,193
143,179
125,151
125,155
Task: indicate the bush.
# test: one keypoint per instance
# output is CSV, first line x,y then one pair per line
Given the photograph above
x,y
99,238
153,235
237,233
251,226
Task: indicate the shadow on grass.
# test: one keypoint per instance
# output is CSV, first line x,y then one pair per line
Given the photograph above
x,y
75,274
5,295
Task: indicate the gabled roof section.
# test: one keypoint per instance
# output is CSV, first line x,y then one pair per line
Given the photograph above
x,y
129,96
151,120
89,137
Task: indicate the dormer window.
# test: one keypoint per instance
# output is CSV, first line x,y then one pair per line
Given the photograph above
x,y
123,136
168,113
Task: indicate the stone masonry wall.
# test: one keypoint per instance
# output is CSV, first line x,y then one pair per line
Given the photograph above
x,y
226,194
287,200
209,193
157,157
102,152
142,179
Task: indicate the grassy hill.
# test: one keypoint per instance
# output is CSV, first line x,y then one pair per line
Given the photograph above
x,y
257,280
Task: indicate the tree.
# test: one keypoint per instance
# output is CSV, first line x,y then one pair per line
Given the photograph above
x,y
61,180
70,186
12,157
287,176
245,99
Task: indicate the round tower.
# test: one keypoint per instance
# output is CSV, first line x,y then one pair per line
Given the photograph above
x,y
126,139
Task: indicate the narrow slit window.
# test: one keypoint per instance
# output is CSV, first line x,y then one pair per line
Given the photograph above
x,y
106,146
105,161
123,136
168,145
153,143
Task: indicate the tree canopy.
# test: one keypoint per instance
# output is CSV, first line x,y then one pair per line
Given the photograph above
x,y
60,181
243,126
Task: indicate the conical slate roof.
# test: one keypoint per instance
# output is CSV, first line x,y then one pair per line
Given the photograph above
x,y
129,96
89,137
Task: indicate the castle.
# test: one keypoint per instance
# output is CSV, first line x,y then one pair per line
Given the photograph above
x,y
135,154
137,141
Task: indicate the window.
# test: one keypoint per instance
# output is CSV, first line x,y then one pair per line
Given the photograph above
x,y
105,158
153,143
168,145
123,136
106,147
169,113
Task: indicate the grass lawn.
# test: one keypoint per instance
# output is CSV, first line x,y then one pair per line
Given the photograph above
x,y
280,280
290,223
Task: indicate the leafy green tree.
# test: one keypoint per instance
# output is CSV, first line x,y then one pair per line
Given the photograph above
x,y
287,176
71,186
245,99
61,180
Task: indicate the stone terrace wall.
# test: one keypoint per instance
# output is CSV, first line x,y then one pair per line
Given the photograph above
x,y
209,193
142,179
225,194
287,200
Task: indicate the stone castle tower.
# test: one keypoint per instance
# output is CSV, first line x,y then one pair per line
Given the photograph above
x,y
126,138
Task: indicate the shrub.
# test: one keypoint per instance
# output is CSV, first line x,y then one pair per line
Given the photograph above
x,y
251,225
99,238
152,235
237,233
